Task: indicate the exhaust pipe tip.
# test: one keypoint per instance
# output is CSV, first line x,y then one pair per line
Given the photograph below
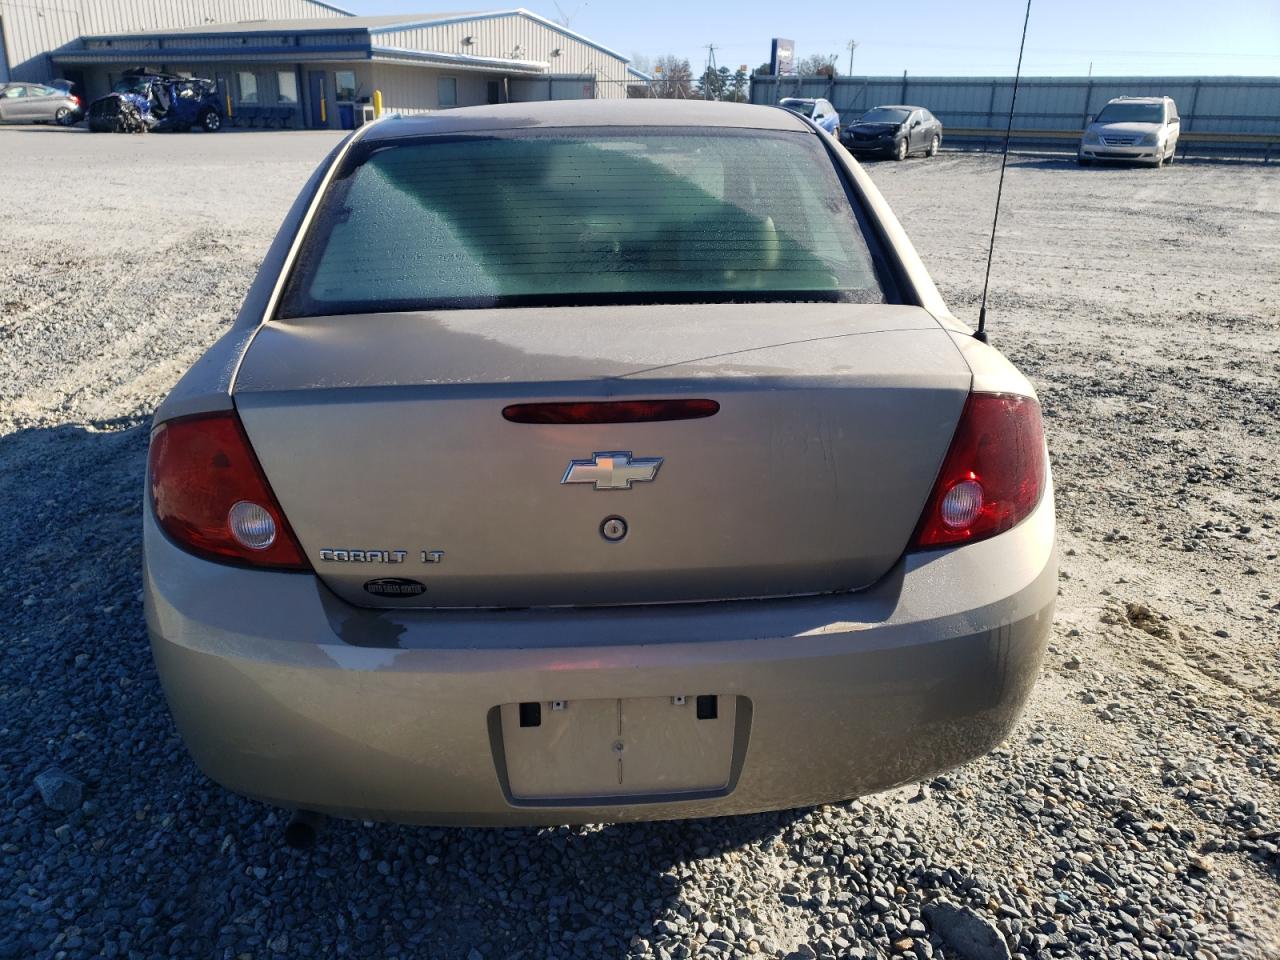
x,y
301,830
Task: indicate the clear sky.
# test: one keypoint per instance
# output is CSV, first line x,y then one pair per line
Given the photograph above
x,y
1119,37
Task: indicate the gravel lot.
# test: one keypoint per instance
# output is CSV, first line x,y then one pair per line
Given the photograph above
x,y
1134,813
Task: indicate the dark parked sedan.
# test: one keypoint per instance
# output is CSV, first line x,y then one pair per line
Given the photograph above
x,y
893,131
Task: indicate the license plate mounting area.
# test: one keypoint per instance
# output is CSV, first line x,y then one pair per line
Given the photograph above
x,y
633,747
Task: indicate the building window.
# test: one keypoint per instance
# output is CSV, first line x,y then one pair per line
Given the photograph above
x,y
495,91
248,87
447,95
287,82
345,82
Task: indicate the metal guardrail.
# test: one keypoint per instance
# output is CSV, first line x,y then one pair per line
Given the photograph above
x,y
1268,142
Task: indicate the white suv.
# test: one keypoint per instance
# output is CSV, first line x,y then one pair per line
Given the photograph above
x,y
1144,129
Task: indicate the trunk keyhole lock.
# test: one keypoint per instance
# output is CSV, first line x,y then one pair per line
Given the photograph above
x,y
613,529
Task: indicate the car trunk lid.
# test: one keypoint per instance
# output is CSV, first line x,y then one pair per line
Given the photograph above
x,y
384,439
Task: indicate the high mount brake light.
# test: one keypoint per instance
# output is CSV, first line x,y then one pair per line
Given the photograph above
x,y
993,474
610,411
211,497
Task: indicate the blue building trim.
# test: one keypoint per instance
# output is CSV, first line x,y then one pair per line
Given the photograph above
x,y
219,34
231,54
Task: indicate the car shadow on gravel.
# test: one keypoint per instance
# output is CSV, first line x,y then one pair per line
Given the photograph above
x,y
45,128
1069,163
156,859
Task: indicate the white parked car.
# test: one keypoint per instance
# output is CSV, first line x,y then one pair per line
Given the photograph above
x,y
1141,129
818,110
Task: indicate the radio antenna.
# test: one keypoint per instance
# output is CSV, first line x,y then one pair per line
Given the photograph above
x,y
981,333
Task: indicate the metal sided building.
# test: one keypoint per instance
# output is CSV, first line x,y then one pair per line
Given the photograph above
x,y
321,71
32,31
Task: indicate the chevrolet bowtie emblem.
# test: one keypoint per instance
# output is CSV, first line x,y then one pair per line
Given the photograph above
x,y
612,471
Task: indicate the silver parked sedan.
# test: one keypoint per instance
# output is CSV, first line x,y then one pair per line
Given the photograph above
x,y
587,461
37,103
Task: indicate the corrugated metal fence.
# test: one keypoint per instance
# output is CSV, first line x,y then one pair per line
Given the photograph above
x,y
1232,106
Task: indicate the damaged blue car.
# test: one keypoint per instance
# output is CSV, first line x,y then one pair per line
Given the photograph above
x,y
142,101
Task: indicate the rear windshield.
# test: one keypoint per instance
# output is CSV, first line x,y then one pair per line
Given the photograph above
x,y
568,218
885,115
804,107
1132,113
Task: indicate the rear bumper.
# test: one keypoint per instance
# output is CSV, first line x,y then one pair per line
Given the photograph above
x,y
284,693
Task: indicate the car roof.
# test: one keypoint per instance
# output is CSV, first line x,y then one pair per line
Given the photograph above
x,y
1137,100
895,106
591,113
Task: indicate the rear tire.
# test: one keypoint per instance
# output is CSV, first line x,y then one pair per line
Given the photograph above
x,y
60,118
933,146
210,121
900,151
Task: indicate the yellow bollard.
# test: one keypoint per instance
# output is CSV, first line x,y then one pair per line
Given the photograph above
x,y
229,111
324,113
377,103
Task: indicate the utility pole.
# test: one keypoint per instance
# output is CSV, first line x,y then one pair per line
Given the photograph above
x,y
853,45
709,73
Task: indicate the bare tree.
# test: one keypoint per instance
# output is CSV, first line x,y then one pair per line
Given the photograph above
x,y
817,65
672,78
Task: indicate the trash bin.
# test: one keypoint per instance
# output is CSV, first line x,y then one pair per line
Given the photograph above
x,y
347,116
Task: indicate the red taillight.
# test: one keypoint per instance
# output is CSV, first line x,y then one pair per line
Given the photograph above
x,y
993,474
610,411
210,495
